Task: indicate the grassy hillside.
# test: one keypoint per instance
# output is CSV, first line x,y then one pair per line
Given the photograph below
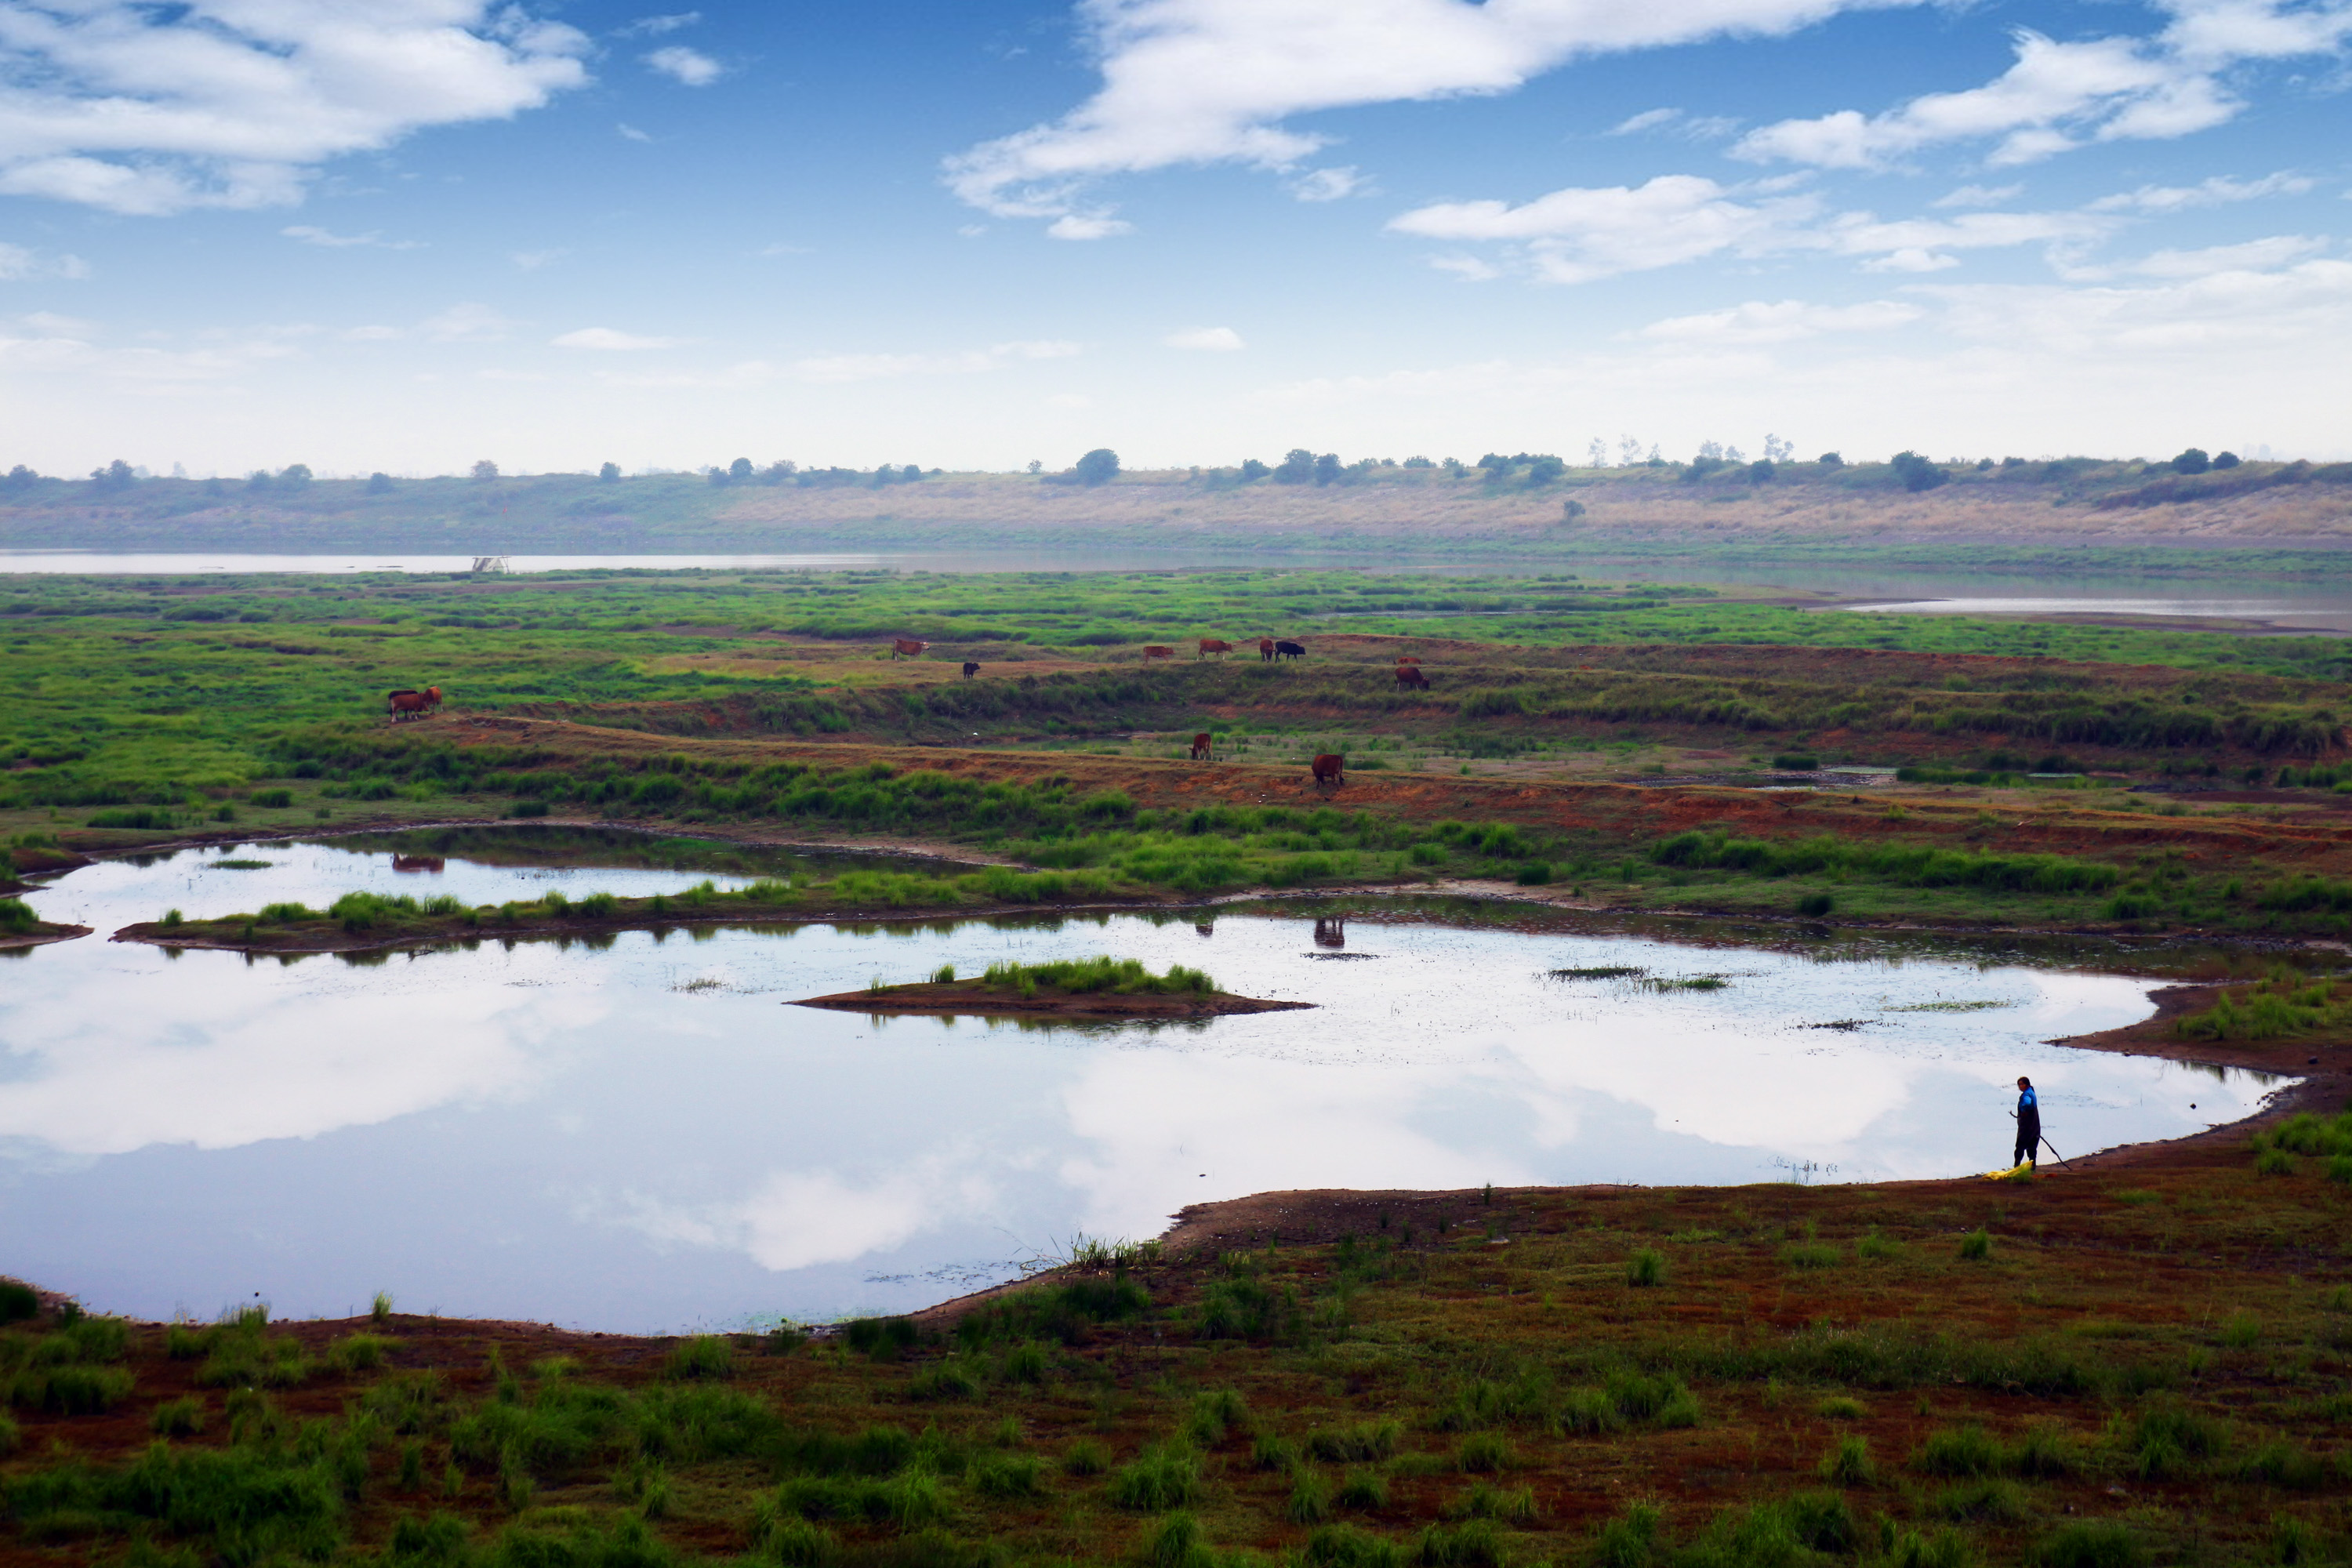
x,y
2035,513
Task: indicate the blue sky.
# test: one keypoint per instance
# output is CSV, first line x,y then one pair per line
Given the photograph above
x,y
408,234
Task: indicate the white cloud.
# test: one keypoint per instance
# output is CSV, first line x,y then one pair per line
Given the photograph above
x,y
532,260
631,133
2253,256
1092,225
1980,196
1782,322
1579,234
605,339
1215,339
465,324
690,67
834,368
19,264
1468,269
654,26
1648,120
1330,185
310,233
147,109
2295,307
2214,192
2058,95
1211,81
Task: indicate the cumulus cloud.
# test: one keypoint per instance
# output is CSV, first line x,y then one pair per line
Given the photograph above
x,y
2253,256
1215,340
834,368
2059,96
310,233
691,66
1782,322
1980,196
147,110
606,340
1213,81
2296,305
1581,234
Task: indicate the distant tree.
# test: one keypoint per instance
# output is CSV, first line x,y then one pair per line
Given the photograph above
x,y
1298,466
1629,451
1098,467
1710,450
1496,465
379,484
1830,460
1916,472
1760,472
1036,465
2013,462
1326,469
116,476
915,471
485,471
740,469
215,486
1454,467
20,479
258,480
1569,510
2221,460
1419,463
1596,453
777,472
1703,465
294,476
1984,464
2192,461
1253,469
1543,468
609,474
1777,451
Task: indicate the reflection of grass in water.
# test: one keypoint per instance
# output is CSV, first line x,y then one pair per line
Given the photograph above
x,y
1601,972
241,864
1954,1007
1666,983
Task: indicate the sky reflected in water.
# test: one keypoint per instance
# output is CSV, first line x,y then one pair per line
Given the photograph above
x,y
644,1136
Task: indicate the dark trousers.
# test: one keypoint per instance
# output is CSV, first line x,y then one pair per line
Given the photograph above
x,y
2029,1141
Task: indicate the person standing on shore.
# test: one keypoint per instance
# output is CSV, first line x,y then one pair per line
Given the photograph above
x,y
2029,1125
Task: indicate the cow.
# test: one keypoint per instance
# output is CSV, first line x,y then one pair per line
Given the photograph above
x,y
407,704
1407,658
970,670
1266,651
1155,650
1213,645
1331,765
1411,675
1332,932
1201,746
907,646
1290,651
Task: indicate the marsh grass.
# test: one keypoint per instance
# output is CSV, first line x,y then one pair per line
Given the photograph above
x,y
1162,1478
1976,1247
1848,1464
1646,1267
701,1357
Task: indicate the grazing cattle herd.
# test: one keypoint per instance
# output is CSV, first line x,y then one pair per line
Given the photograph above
x,y
1213,645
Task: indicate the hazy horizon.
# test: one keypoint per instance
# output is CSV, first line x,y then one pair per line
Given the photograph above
x,y
405,235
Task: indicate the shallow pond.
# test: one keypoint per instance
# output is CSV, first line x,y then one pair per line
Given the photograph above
x,y
640,1135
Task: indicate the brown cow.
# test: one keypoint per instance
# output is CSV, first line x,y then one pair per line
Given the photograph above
x,y
1266,651
1213,645
407,704
1332,766
907,646
1411,675
970,670
1201,746
1407,658
1154,650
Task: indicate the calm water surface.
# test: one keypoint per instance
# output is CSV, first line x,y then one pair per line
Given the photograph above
x,y
641,1135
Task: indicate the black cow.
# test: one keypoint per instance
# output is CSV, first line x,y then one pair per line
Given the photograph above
x,y
1290,651
970,670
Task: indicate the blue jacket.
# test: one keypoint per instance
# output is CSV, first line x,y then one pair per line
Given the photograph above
x,y
2028,1108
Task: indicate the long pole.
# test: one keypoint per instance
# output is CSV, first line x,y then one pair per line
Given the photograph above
x,y
2054,1154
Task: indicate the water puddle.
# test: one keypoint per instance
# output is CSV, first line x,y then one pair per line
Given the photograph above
x,y
640,1135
